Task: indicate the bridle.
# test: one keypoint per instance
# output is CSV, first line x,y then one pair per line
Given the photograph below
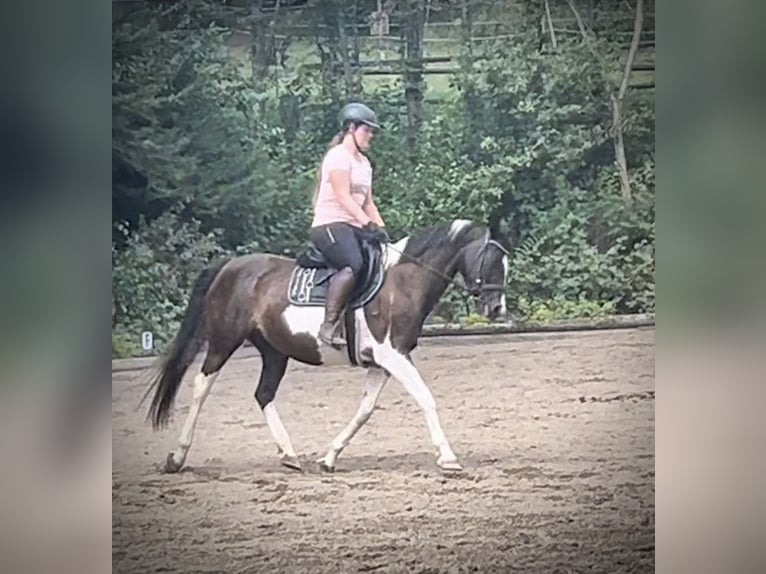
x,y
479,287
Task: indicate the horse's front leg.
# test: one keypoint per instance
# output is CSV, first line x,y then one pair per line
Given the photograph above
x,y
376,379
401,367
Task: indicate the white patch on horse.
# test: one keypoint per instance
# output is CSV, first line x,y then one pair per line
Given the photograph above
x,y
364,338
303,319
307,319
405,372
503,307
393,252
457,226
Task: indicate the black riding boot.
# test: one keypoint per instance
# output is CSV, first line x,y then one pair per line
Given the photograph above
x,y
341,285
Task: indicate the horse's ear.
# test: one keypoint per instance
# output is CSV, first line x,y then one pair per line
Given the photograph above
x,y
501,233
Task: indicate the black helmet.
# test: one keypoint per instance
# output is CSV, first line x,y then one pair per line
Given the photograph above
x,y
359,114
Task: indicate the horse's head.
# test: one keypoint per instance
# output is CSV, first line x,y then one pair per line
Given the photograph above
x,y
485,273
466,248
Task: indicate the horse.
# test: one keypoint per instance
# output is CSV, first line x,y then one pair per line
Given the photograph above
x,y
253,298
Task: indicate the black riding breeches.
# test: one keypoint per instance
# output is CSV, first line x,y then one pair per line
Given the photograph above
x,y
340,244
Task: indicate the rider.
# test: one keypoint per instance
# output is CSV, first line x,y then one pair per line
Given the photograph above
x,y
344,210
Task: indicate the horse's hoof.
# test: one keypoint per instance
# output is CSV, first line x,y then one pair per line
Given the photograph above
x,y
171,466
324,467
290,462
450,466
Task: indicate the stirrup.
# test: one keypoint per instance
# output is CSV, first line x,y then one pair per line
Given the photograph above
x,y
334,339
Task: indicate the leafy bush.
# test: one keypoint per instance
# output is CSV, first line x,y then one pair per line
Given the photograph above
x,y
475,319
125,343
561,308
153,274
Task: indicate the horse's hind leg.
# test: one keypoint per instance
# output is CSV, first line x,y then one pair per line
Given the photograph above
x,y
274,366
203,382
376,380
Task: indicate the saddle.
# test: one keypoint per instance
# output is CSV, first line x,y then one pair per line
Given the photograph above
x,y
311,277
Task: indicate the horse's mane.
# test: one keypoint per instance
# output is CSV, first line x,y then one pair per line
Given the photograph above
x,y
458,232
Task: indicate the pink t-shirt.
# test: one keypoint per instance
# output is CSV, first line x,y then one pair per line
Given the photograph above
x,y
327,208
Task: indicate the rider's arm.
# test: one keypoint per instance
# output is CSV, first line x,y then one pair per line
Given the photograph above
x,y
340,181
372,211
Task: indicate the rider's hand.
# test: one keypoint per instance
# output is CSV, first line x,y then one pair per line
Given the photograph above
x,y
376,232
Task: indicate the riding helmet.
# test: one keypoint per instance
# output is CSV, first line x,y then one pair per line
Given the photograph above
x,y
358,113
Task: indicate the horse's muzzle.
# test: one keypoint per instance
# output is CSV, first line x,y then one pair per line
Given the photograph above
x,y
494,310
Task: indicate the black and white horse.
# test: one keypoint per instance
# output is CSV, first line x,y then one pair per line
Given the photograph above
x,y
246,298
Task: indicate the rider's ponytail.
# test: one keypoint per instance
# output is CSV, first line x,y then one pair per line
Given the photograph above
x,y
338,138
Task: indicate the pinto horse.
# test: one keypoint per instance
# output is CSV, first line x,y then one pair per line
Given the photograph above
x,y
246,298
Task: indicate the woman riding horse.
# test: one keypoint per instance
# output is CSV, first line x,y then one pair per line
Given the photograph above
x,y
246,298
344,210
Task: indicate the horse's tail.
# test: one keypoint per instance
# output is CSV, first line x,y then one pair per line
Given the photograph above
x,y
185,346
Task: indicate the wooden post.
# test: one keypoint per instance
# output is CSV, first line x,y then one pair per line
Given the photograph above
x,y
259,51
550,25
326,31
413,27
471,101
379,27
356,75
260,42
344,51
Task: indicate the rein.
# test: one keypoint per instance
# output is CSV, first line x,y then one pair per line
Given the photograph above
x,y
472,291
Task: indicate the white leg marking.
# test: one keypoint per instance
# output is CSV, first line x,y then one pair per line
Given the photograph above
x,y
376,380
403,370
278,430
202,386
